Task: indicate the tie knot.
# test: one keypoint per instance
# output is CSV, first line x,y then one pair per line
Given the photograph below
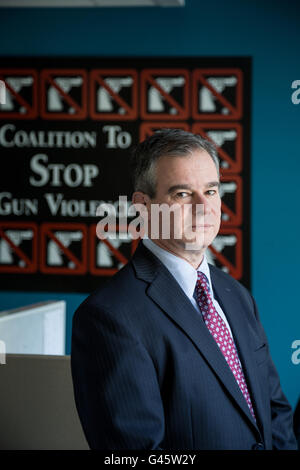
x,y
202,281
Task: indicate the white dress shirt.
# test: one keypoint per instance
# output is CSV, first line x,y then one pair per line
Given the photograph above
x,y
185,274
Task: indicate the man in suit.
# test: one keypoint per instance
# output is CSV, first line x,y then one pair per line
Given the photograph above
x,y
170,352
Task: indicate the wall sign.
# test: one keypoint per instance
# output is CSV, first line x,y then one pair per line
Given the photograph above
x,y
67,128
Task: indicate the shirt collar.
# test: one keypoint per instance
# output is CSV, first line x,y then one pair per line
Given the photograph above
x,y
184,273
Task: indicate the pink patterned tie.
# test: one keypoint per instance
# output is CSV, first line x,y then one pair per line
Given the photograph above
x,y
220,333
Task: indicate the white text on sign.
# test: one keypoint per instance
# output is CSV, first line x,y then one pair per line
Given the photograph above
x,y
57,174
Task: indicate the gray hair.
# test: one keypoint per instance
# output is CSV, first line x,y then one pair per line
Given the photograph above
x,y
165,142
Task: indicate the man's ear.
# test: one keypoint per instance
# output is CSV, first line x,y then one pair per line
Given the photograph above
x,y
139,197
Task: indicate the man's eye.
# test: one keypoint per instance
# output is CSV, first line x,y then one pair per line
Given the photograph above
x,y
211,192
182,194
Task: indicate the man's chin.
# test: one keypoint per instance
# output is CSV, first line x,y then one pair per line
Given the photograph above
x,y
198,239
194,243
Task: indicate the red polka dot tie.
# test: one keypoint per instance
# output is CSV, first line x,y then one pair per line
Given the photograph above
x,y
220,333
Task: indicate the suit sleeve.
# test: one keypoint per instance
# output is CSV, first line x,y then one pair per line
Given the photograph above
x,y
115,383
283,437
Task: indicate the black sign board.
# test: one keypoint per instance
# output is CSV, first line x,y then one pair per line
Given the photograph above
x,y
67,127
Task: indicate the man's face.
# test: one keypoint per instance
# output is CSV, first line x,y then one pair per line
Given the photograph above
x,y
192,184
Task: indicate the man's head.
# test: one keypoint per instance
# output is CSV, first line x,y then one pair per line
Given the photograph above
x,y
164,143
175,167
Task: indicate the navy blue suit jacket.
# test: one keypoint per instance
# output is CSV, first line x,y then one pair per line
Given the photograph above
x,y
147,373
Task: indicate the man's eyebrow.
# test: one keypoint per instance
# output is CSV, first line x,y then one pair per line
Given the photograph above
x,y
175,187
178,186
213,184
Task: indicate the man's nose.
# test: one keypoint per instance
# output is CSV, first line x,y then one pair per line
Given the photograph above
x,y
201,204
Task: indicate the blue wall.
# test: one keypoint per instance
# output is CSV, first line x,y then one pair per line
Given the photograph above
x,y
269,32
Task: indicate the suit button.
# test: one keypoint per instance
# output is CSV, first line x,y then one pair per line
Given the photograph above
x,y
258,446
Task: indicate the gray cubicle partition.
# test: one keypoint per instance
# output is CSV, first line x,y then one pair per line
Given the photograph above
x,y
37,408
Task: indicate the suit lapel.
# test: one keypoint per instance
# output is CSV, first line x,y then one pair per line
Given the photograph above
x,y
168,295
233,309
